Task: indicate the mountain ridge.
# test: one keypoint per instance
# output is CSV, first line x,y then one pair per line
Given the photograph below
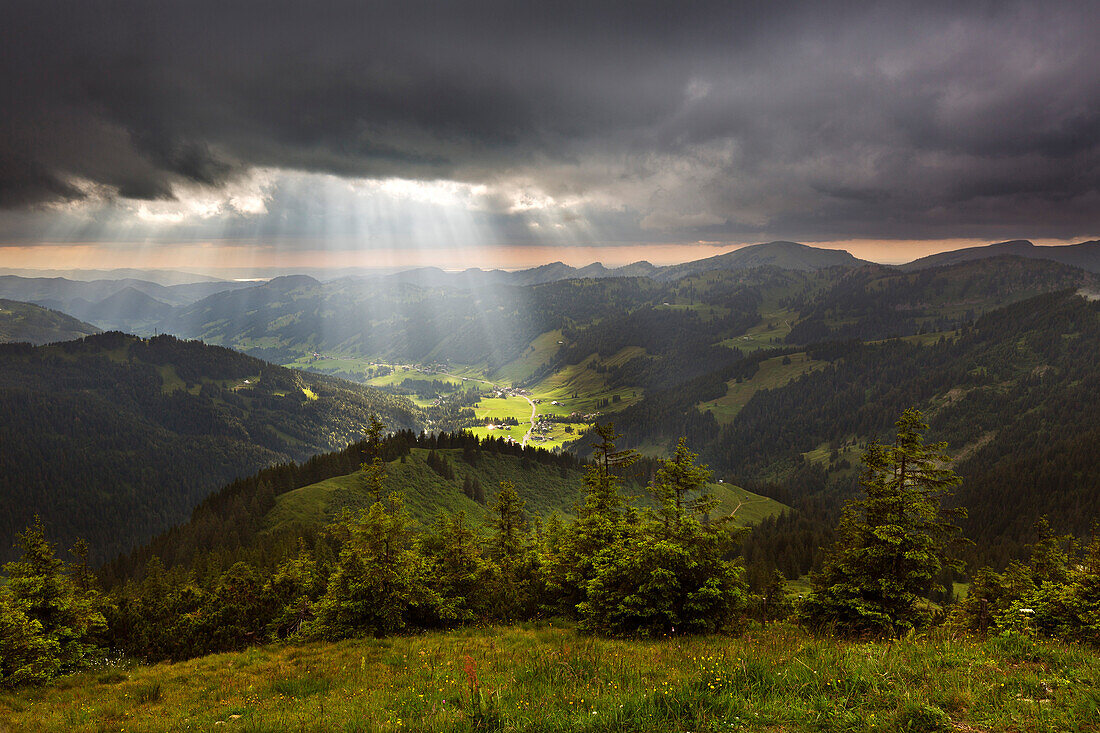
x,y
1085,255
35,324
132,433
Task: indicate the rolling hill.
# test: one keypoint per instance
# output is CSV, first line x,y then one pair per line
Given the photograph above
x,y
114,438
781,255
1015,393
266,514
744,362
34,324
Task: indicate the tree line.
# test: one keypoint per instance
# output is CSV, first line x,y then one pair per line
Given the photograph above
x,y
616,569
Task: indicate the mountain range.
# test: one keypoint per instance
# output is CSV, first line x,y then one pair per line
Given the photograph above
x,y
1085,255
104,303
776,362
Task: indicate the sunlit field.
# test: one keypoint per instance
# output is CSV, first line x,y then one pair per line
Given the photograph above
x,y
577,390
545,678
773,373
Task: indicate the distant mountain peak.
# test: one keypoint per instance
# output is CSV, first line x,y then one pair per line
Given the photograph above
x,y
290,282
1085,255
781,254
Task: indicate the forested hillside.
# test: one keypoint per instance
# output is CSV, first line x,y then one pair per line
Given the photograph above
x,y
114,438
1015,394
34,324
772,373
490,318
265,517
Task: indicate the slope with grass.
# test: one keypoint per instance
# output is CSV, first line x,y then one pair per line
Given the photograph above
x,y
548,679
546,489
426,493
773,373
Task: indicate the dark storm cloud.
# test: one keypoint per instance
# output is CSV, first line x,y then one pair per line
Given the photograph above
x,y
691,120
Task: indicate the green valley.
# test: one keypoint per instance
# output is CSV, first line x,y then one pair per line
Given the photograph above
x,y
453,367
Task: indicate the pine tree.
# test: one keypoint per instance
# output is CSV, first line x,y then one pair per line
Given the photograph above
x,y
671,574
679,487
602,479
510,546
374,468
509,524
601,522
292,590
380,581
892,543
461,574
27,657
41,589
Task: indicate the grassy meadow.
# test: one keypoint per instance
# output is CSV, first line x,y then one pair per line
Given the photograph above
x,y
773,374
582,379
426,494
546,678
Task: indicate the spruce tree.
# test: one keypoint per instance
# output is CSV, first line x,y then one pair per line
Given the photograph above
x,y
600,524
42,599
374,468
461,575
892,543
293,589
511,547
671,574
380,582
679,487
509,524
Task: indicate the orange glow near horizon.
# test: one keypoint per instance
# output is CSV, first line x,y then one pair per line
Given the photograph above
x,y
210,257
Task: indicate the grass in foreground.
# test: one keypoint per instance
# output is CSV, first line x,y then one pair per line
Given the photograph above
x,y
551,679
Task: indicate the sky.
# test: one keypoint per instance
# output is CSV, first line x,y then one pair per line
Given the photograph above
x,y
338,133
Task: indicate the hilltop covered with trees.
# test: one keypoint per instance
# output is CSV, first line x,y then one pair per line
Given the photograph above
x,y
114,438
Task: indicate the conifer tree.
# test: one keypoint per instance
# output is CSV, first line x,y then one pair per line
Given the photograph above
x,y
679,487
374,468
673,573
892,542
461,574
41,599
509,524
512,549
600,523
602,479
292,590
380,581
27,657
